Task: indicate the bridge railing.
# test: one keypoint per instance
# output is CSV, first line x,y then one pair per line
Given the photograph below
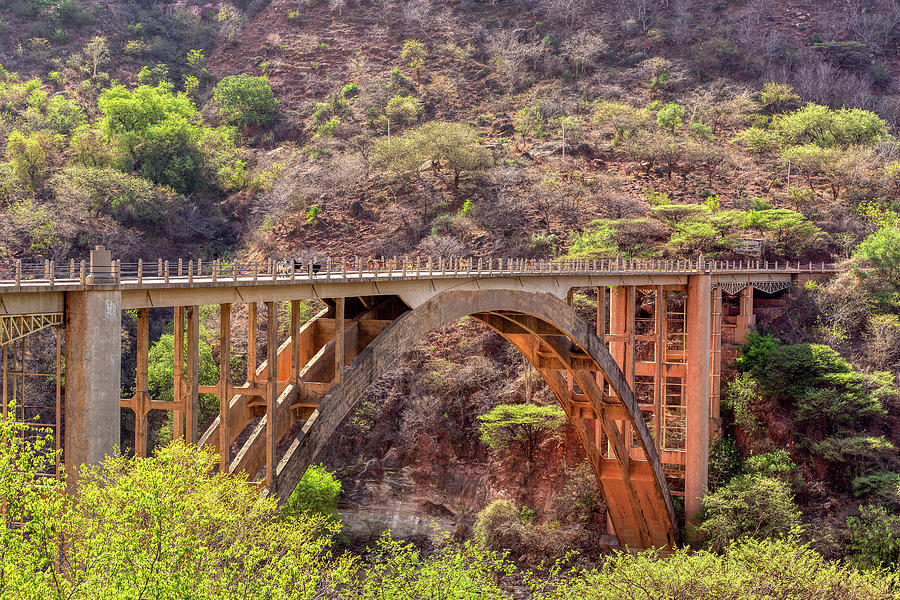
x,y
190,270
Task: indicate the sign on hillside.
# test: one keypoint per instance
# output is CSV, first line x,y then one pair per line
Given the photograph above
x,y
750,246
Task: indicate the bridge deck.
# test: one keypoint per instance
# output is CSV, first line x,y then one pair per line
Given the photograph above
x,y
21,285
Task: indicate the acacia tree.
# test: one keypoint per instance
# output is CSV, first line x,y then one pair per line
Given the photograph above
x,y
442,145
525,425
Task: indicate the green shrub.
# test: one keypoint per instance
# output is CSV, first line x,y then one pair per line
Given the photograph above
x,y
777,464
749,506
414,54
450,145
724,462
155,76
875,537
882,251
400,571
351,90
498,526
245,100
316,493
404,110
327,128
130,200
778,97
883,485
70,12
596,241
747,569
756,139
826,394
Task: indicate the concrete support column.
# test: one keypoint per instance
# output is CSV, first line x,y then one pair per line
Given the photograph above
x,y
746,320
696,393
93,376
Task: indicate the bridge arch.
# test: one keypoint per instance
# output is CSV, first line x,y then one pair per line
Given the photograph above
x,y
564,349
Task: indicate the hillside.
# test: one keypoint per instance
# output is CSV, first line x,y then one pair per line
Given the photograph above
x,y
541,129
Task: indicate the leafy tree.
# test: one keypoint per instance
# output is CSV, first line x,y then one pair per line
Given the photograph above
x,y
525,425
33,500
316,493
151,527
826,127
751,506
882,251
670,117
450,145
245,100
161,370
30,155
96,54
158,129
414,54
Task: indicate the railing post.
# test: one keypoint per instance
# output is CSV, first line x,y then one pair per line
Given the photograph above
x,y
179,267
256,271
52,274
199,267
159,271
140,270
191,271
166,271
71,268
18,273
81,273
234,270
215,270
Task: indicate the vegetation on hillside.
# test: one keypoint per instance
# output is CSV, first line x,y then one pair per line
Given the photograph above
x,y
162,525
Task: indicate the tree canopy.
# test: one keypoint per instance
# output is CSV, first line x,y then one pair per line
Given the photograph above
x,y
525,425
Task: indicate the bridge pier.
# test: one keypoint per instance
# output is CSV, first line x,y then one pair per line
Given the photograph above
x,y
93,375
696,393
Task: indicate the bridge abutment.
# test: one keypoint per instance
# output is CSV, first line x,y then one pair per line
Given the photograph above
x,y
93,376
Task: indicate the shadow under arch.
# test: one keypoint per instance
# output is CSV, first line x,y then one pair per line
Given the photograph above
x,y
556,341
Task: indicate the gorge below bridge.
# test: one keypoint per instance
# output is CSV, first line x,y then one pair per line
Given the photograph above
x,y
640,383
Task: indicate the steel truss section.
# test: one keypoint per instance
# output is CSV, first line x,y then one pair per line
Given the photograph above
x,y
16,327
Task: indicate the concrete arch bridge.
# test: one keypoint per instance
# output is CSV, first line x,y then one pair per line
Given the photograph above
x,y
639,382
